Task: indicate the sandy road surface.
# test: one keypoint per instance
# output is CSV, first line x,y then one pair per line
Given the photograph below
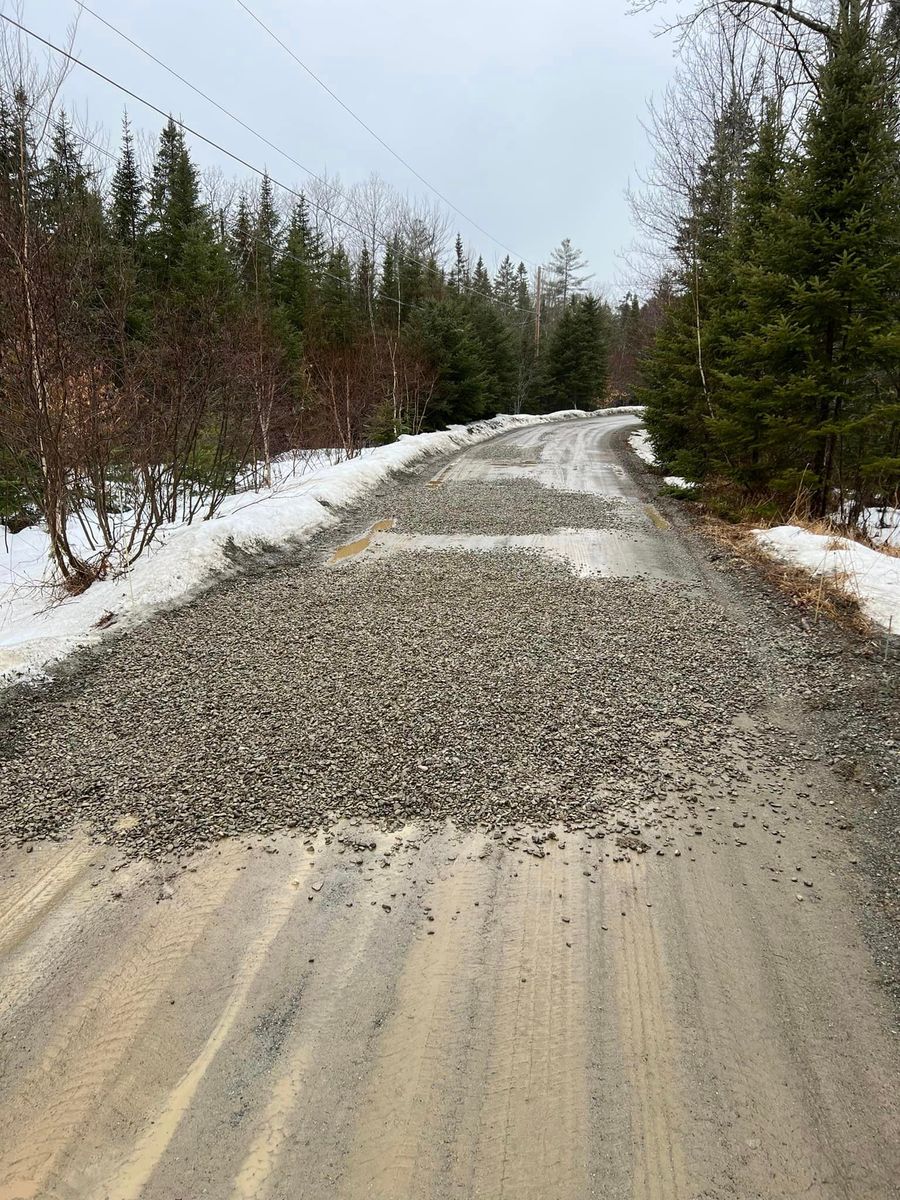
x,y
659,992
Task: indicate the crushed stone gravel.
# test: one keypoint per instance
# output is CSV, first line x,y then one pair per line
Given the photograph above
x,y
487,689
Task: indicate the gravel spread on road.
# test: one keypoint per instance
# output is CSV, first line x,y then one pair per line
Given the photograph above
x,y
516,506
492,689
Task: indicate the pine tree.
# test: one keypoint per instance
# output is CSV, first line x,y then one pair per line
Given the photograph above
x,y
567,273
679,374
573,369
126,212
481,281
297,273
505,282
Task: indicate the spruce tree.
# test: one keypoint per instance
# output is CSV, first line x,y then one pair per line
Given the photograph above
x,y
844,255
573,369
297,273
679,377
505,282
481,281
127,189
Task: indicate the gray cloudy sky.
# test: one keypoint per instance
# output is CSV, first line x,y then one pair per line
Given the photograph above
x,y
525,114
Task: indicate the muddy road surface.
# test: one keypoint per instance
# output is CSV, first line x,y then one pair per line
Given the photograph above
x,y
495,845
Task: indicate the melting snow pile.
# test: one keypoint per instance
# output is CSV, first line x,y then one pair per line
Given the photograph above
x,y
640,444
38,627
869,575
881,525
643,448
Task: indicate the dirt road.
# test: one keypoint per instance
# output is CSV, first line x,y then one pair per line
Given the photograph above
x,y
535,883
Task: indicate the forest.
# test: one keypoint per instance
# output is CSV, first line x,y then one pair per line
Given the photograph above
x,y
772,218
167,332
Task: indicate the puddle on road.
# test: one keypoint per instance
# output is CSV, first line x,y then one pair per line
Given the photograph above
x,y
351,549
656,517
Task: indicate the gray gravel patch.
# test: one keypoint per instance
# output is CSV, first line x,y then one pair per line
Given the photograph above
x,y
516,506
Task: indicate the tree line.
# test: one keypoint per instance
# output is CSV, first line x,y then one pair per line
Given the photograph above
x,y
164,335
774,378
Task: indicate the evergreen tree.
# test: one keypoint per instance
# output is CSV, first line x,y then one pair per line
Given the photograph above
x,y
844,240
573,369
445,335
481,281
339,311
240,243
266,245
523,292
811,372
389,307
679,375
180,246
753,435
297,273
505,282
126,212
66,185
459,274
567,273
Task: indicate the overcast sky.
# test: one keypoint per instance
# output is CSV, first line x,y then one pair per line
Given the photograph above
x,y
525,114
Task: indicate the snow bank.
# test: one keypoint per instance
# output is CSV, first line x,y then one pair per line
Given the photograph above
x,y
640,444
38,628
643,448
870,575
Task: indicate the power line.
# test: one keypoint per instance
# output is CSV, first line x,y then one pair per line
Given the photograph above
x,y
204,95
263,174
385,240
368,128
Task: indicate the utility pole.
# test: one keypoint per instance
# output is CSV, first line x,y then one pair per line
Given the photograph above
x,y
537,313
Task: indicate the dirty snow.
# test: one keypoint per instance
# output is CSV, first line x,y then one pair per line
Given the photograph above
x,y
642,446
870,575
38,626
881,525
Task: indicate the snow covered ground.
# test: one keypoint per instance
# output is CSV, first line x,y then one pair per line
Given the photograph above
x,y
40,626
881,525
870,575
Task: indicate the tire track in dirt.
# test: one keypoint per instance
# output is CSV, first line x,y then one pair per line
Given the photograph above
x,y
127,1182
91,1040
645,1021
402,1119
759,1011
534,1100
297,1098
25,905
